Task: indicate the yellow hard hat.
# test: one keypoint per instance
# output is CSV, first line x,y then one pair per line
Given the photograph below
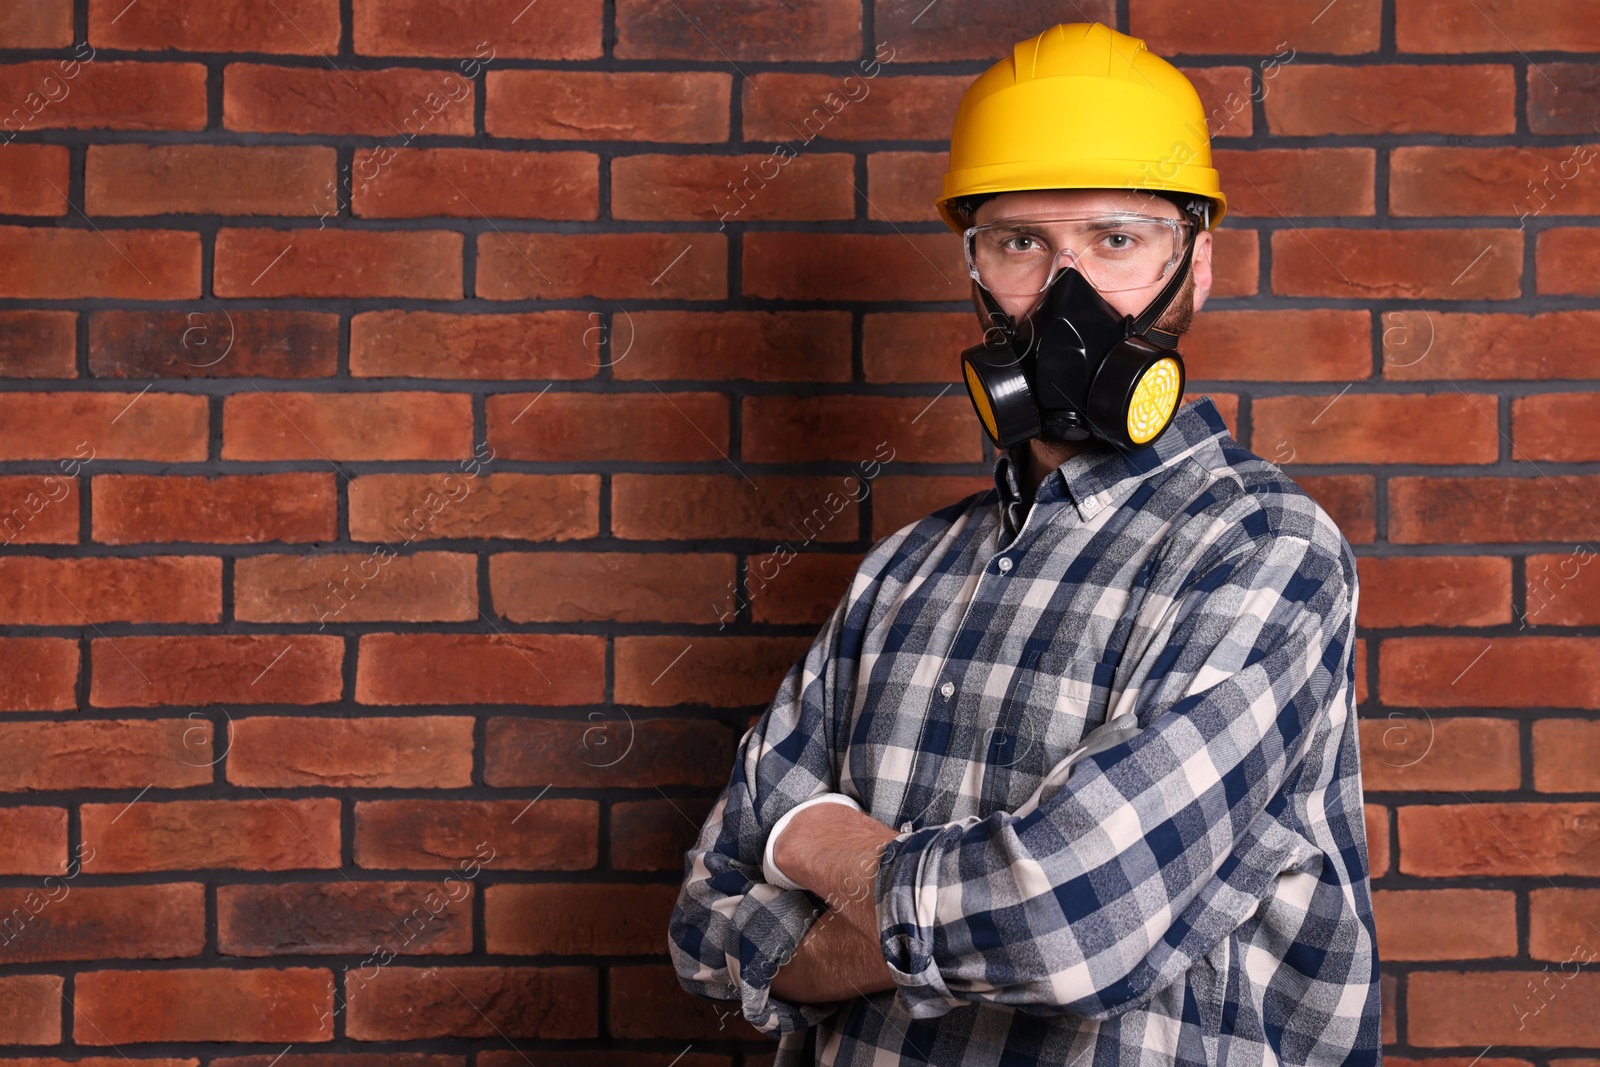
x,y
1081,106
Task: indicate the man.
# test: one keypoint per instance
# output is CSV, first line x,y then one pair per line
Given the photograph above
x,y
1071,774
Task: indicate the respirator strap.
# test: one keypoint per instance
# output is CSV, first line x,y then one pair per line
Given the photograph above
x,y
1145,323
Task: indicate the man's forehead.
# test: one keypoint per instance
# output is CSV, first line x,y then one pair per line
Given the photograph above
x,y
1040,201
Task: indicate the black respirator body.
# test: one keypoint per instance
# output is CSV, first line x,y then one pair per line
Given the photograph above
x,y
1076,368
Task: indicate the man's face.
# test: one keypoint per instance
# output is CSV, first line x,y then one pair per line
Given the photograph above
x,y
1189,299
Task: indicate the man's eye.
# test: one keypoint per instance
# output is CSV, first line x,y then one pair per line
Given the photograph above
x,y
1119,241
1020,242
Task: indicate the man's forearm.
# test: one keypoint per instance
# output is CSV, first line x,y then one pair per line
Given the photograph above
x,y
836,960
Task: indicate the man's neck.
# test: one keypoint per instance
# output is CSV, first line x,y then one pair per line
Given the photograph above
x,y
1039,459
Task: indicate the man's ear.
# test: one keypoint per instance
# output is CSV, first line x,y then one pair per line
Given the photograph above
x,y
1200,264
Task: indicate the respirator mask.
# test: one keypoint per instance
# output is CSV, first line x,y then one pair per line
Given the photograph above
x,y
1074,367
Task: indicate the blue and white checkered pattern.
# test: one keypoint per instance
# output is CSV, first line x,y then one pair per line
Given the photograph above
x,y
1195,892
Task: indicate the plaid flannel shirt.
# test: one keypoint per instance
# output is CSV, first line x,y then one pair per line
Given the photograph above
x,y
1190,890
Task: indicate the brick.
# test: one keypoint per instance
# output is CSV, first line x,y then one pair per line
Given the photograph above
x,y
348,1059
484,28
687,506
615,266
1361,671
38,509
1555,426
346,587
496,668
1514,180
922,33
1281,182
570,105
103,94
1418,754
1497,1007
1226,94
38,674
346,426
1314,99
38,344
32,1014
1558,920
421,752
1380,428
340,918
1375,818
609,586
733,188
101,754
412,1003
919,346
36,23
1403,264
904,185
1329,345
802,589
1561,589
285,26
717,672
787,346
1512,672
576,919
231,509
830,29
1455,840
47,263
167,427
868,431
1554,344
585,427
201,179
274,834
35,591
1563,98
32,169
562,835
61,922
1564,753
613,751
1235,263
1566,262
202,1004
1454,26
338,263
213,344
198,670
796,109
653,835
854,266
1434,591
1185,26
899,500
658,1006
1350,499
1446,924
527,507
558,345
399,102
1559,507
476,183
33,840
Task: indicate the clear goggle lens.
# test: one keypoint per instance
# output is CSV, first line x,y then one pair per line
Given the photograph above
x,y
1115,252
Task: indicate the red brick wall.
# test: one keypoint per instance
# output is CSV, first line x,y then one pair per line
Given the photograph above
x,y
408,428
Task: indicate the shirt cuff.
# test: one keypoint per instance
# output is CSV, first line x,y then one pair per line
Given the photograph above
x,y
908,874
769,869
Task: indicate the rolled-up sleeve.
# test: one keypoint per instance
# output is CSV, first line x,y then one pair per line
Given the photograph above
x,y
730,929
1131,863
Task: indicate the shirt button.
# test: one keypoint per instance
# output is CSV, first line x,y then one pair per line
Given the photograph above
x,y
1091,505
1004,564
946,689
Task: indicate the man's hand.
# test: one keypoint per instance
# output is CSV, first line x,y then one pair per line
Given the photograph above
x,y
833,850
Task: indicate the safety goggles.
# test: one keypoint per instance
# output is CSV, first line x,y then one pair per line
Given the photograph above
x,y
1115,251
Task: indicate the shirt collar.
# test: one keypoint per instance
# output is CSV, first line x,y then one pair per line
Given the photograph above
x,y
1103,474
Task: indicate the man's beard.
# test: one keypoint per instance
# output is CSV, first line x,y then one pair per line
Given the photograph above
x,y
1175,320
